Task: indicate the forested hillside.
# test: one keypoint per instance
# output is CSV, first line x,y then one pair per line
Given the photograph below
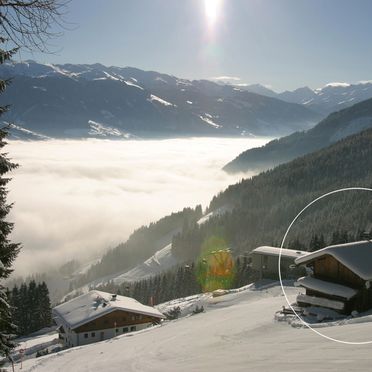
x,y
264,206
335,127
261,208
141,245
186,280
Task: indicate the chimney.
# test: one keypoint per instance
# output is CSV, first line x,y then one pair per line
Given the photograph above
x,y
113,297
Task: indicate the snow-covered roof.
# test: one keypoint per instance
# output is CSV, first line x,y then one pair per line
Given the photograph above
x,y
355,256
326,287
95,304
274,251
320,301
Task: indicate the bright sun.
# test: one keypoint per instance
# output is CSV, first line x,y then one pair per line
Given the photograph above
x,y
212,10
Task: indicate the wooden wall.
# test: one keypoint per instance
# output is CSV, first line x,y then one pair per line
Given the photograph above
x,y
117,318
328,268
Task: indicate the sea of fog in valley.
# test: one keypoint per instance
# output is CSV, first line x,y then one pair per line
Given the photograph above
x,y
75,199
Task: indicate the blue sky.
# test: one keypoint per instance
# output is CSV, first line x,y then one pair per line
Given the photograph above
x,y
284,44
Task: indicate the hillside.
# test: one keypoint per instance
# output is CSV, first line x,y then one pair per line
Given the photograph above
x,y
79,101
335,127
140,254
237,332
264,206
254,212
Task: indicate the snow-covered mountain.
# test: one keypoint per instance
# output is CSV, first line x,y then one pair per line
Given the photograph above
x,y
260,89
330,98
325,100
64,101
300,95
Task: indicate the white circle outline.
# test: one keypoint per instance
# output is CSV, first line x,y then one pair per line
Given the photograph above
x,y
280,274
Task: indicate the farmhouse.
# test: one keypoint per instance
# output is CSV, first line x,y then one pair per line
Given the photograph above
x,y
340,277
97,316
265,262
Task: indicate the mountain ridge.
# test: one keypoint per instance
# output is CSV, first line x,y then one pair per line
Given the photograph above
x,y
61,100
333,128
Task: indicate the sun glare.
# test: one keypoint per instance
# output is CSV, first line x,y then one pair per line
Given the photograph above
x,y
212,10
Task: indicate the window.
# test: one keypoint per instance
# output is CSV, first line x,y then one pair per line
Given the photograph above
x,y
132,328
117,330
125,329
93,334
85,335
133,317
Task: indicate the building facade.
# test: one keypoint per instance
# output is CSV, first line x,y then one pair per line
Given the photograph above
x,y
340,277
265,260
98,316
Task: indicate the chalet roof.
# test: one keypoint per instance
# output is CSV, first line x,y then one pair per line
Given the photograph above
x,y
356,256
95,304
274,251
322,286
321,301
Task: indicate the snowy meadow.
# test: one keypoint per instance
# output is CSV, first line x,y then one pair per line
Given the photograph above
x,y
75,199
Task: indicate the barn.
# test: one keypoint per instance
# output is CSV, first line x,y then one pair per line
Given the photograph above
x,y
265,262
97,316
340,277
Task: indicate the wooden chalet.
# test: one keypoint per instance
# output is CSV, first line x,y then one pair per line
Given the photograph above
x,y
339,277
97,316
265,260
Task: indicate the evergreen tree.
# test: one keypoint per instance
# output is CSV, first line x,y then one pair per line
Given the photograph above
x,y
8,250
23,320
43,312
316,243
31,302
31,308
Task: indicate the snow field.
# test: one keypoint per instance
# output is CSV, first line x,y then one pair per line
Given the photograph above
x,y
236,333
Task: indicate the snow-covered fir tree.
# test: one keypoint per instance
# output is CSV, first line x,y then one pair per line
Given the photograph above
x,y
8,250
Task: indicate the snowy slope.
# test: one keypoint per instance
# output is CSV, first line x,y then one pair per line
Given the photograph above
x,y
236,333
27,347
19,133
161,261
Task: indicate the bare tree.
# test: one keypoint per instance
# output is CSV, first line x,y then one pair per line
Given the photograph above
x,y
32,23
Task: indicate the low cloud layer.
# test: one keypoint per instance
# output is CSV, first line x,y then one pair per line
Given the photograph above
x,y
75,199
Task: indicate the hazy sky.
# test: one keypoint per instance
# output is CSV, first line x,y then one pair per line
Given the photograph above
x,y
75,199
281,43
